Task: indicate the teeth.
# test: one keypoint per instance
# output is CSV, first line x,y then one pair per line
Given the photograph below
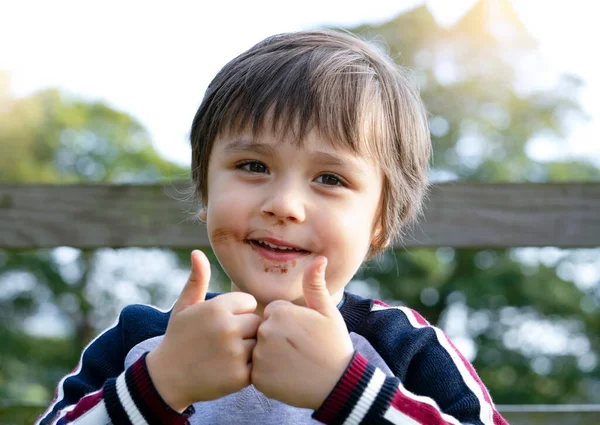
x,y
281,248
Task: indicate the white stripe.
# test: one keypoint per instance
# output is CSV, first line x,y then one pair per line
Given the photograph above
x,y
379,307
366,399
67,409
60,391
486,411
98,415
398,418
71,407
135,417
429,401
58,417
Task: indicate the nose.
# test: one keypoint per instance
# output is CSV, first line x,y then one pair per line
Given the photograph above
x,y
285,202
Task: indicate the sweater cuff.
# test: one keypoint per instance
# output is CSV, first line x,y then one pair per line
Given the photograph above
x,y
131,398
362,394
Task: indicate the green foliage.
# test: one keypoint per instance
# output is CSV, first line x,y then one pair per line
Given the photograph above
x,y
482,123
51,137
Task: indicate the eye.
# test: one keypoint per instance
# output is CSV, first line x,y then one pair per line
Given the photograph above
x,y
330,180
253,167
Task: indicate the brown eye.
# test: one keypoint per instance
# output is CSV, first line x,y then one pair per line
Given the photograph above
x,y
254,167
330,180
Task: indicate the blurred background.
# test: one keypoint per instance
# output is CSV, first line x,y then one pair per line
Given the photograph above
x,y
106,92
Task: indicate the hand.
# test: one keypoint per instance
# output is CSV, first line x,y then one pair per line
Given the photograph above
x,y
206,351
302,351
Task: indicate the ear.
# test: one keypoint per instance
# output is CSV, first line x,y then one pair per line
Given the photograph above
x,y
202,214
376,234
377,243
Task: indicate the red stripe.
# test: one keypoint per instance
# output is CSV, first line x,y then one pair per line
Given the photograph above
x,y
423,413
498,419
472,372
342,391
84,405
470,369
420,319
152,399
381,303
55,399
486,396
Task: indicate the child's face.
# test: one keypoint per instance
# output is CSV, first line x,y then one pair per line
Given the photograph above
x,y
311,197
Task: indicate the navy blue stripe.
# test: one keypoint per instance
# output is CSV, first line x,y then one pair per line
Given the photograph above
x,y
355,396
115,409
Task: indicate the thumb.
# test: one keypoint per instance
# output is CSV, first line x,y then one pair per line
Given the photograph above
x,y
196,286
314,287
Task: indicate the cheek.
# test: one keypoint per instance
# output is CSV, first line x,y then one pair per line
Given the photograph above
x,y
346,239
351,224
227,213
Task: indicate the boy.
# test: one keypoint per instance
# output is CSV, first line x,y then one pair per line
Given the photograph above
x,y
309,152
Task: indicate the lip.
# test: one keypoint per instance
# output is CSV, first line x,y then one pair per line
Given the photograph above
x,y
277,256
279,243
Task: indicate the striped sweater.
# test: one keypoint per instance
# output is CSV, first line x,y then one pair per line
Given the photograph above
x,y
403,371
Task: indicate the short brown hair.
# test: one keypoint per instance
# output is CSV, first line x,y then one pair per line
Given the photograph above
x,y
340,86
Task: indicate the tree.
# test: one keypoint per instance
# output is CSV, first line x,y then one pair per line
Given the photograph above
x,y
481,122
484,112
53,137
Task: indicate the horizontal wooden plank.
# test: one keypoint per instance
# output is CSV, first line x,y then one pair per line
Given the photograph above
x,y
457,214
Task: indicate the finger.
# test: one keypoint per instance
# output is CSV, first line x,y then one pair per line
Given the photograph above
x,y
274,306
196,286
237,302
314,287
249,324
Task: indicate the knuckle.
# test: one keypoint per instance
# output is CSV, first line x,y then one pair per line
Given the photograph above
x,y
278,305
215,309
244,297
264,331
227,328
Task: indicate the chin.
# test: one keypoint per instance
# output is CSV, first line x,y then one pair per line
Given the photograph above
x,y
272,292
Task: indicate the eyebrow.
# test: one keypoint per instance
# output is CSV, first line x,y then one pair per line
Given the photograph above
x,y
330,160
320,157
250,146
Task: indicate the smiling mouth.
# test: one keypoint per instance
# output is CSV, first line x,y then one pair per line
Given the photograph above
x,y
276,248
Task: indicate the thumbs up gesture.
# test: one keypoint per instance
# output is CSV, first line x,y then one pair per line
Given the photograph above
x,y
207,348
302,352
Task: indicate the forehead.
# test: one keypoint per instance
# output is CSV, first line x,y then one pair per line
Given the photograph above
x,y
314,142
304,136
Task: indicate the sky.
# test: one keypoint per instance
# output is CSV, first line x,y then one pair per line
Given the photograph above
x,y
155,61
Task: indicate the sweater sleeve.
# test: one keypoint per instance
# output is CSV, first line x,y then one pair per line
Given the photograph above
x,y
433,383
101,391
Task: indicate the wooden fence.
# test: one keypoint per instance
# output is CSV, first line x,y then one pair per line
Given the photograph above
x,y
457,214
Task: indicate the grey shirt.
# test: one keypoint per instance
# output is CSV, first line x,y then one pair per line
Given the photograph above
x,y
250,406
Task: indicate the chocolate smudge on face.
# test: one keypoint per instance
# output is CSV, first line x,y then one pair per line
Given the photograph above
x,y
293,263
269,267
280,223
223,236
